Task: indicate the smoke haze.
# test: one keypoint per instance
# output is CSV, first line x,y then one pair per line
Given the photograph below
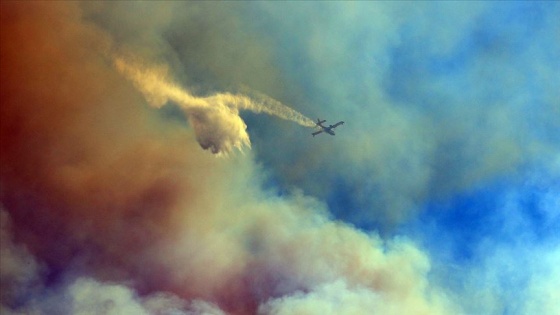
x,y
434,198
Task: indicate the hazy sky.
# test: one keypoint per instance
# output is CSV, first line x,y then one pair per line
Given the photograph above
x,y
157,158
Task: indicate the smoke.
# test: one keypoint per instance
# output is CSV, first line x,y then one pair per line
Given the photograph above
x,y
215,119
18,268
436,103
24,291
111,207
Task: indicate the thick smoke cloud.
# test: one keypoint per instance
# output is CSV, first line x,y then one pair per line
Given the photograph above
x,y
21,282
437,98
18,269
110,206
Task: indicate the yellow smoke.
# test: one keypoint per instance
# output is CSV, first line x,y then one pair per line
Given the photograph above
x,y
215,119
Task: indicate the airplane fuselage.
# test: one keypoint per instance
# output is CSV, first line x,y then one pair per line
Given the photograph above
x,y
326,129
329,130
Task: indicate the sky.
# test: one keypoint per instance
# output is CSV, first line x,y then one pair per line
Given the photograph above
x,y
157,158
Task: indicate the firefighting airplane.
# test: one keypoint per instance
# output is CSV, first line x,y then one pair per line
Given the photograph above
x,y
326,129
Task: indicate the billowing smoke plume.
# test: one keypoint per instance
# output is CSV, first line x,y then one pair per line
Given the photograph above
x,y
111,208
215,119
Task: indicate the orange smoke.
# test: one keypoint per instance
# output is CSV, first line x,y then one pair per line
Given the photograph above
x,y
86,169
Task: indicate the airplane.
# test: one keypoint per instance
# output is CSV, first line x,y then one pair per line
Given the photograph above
x,y
326,129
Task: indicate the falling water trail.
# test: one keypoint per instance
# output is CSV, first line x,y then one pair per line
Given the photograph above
x,y
155,84
215,118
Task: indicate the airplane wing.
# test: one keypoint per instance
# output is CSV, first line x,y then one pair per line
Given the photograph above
x,y
338,124
316,133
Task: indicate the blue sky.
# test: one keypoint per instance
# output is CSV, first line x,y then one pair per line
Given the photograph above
x,y
499,234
